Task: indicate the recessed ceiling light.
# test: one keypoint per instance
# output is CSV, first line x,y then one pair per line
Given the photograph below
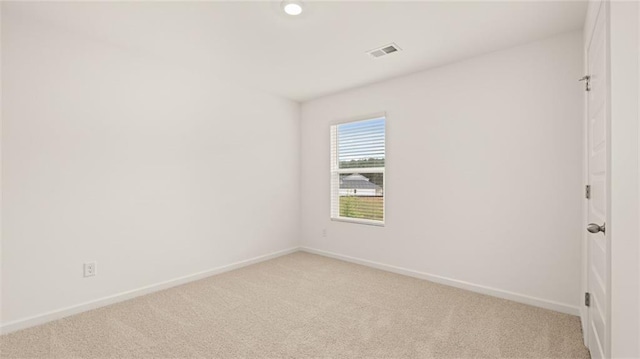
x,y
292,8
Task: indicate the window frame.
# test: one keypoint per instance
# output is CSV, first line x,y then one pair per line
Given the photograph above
x,y
334,169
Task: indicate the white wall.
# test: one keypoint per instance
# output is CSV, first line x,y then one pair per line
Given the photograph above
x,y
625,207
148,168
495,141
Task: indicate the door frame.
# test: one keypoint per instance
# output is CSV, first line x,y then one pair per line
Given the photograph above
x,y
623,174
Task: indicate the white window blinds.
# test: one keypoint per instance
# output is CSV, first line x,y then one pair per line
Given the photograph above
x,y
357,171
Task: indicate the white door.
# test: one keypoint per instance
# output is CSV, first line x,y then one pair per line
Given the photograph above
x,y
598,242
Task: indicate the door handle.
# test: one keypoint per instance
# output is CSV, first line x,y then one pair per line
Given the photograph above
x,y
594,228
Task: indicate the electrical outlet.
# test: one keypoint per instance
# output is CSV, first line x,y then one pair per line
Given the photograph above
x,y
90,269
324,232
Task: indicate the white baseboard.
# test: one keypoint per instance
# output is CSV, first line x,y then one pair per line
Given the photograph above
x,y
116,298
112,299
520,298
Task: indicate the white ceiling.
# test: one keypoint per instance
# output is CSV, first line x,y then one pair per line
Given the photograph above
x,y
317,53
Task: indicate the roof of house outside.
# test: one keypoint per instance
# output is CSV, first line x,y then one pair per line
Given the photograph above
x,y
357,181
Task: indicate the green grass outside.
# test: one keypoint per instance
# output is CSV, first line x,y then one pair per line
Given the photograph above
x,y
362,207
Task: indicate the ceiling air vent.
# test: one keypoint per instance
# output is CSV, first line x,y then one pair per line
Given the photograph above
x,y
384,50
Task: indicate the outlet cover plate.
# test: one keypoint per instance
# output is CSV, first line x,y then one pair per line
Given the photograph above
x,y
90,269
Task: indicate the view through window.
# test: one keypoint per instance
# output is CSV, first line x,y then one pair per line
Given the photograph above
x,y
357,171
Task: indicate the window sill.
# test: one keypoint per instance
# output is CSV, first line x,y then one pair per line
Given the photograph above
x,y
359,221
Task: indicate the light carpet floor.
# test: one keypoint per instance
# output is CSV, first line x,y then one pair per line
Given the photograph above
x,y
306,306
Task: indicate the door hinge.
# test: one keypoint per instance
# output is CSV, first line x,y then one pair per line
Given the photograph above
x,y
587,299
587,191
587,82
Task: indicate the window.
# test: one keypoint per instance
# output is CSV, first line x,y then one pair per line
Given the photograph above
x,y
357,171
